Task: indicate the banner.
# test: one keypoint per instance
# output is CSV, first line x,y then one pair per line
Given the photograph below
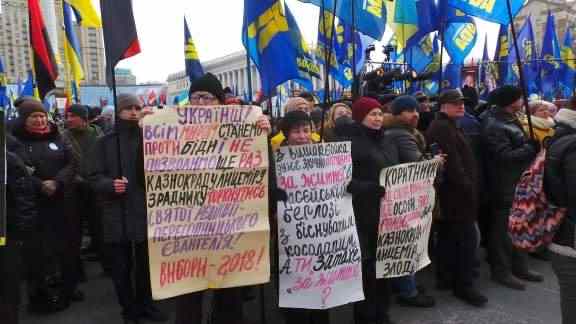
x,y
405,218
207,198
319,252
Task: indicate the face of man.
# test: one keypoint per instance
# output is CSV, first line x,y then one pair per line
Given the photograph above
x,y
132,113
203,98
299,135
454,110
409,117
516,106
75,122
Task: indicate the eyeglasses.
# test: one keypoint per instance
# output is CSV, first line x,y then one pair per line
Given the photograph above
x,y
205,97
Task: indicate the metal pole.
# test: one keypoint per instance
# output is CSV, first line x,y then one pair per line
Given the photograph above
x,y
327,63
520,69
355,81
441,36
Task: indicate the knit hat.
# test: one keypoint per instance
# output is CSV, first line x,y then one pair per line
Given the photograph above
x,y
294,119
126,100
404,103
293,103
362,107
505,96
80,111
20,100
29,107
209,83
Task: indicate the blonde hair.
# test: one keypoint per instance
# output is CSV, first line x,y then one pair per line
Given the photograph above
x,y
534,104
329,121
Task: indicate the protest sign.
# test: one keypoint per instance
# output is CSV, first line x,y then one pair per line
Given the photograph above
x,y
207,199
405,218
319,252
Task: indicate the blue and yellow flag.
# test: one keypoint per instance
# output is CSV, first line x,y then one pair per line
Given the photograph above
x,y
29,88
550,59
272,43
452,76
528,56
403,20
501,56
72,55
369,16
568,68
491,10
4,100
420,56
460,36
85,12
488,73
194,69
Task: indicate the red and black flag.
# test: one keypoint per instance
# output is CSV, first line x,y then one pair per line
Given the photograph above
x,y
120,36
45,68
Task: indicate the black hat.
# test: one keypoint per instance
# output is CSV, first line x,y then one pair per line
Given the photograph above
x,y
470,96
209,83
28,107
505,96
404,103
451,96
80,111
294,119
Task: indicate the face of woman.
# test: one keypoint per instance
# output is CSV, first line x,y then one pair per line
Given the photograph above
x,y
542,111
37,120
341,111
374,119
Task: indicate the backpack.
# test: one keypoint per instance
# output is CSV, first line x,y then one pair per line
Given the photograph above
x,y
533,220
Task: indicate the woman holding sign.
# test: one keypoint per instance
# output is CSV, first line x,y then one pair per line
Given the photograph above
x,y
370,154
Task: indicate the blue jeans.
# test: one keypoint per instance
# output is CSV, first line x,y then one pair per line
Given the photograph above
x,y
405,286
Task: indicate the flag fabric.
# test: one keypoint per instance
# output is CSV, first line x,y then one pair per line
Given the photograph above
x,y
501,56
4,100
45,67
491,10
432,85
85,12
29,88
452,76
272,41
550,56
369,16
403,20
460,36
194,69
487,73
72,54
568,66
528,55
120,35
420,56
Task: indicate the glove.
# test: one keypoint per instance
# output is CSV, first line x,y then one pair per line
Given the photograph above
x,y
280,195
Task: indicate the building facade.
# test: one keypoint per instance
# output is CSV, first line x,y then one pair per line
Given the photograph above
x,y
564,13
125,77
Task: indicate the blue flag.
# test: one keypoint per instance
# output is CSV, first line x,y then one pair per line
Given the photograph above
x,y
194,69
550,59
488,73
4,100
460,37
272,44
501,56
452,76
369,16
28,89
528,56
347,41
491,10
420,56
568,68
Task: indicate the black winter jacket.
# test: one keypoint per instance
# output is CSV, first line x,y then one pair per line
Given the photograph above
x,y
20,198
409,142
126,211
509,151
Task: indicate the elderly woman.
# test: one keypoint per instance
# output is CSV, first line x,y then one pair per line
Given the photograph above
x,y
293,104
53,170
542,121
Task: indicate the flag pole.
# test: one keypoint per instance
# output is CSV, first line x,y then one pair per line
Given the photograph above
x,y
327,63
355,81
441,36
249,76
520,69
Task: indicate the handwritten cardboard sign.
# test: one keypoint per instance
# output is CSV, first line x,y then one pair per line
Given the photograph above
x,y
319,252
207,199
405,218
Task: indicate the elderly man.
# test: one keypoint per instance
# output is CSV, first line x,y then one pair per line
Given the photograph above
x,y
457,238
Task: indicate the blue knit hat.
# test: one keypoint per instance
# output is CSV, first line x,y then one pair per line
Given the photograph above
x,y
404,103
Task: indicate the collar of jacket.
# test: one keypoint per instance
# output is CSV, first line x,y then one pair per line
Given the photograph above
x,y
442,116
503,115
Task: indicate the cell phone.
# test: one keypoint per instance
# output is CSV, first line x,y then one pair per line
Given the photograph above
x,y
434,149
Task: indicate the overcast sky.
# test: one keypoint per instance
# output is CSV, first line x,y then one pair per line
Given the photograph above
x,y
216,29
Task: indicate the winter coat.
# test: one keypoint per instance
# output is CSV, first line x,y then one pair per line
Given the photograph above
x,y
371,152
20,199
560,181
82,141
409,142
543,128
510,152
458,191
120,212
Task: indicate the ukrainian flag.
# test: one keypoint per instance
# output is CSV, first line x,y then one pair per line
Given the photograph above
x,y
4,101
568,68
72,48
403,19
87,15
194,69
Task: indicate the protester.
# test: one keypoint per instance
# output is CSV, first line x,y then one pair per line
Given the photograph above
x,y
511,151
457,238
54,168
293,104
542,122
411,146
310,100
115,170
21,217
339,113
560,181
82,135
228,303
13,123
316,118
103,121
370,154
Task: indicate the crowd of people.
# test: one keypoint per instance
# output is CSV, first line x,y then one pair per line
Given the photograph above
x,y
85,177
